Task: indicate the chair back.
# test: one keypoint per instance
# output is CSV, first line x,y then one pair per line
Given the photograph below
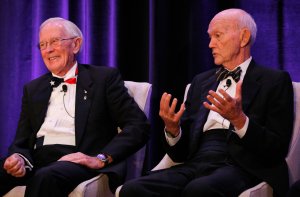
x,y
293,158
141,93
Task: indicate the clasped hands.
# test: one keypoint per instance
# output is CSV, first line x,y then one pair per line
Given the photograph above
x,y
228,107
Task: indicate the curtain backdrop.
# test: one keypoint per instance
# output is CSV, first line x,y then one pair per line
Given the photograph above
x,y
163,42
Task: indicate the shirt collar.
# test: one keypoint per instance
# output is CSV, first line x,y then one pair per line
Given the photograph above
x,y
70,74
244,66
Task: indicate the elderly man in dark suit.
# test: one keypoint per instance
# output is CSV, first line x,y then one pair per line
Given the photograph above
x,y
233,130
67,132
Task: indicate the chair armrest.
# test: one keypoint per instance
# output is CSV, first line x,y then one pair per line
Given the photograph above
x,y
262,189
97,186
17,191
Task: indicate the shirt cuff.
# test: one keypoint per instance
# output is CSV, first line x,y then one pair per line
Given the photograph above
x,y
172,140
28,165
241,132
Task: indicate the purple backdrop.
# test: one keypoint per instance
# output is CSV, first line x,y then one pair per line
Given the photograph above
x,y
163,42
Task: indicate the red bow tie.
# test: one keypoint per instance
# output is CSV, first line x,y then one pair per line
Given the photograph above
x,y
71,80
57,81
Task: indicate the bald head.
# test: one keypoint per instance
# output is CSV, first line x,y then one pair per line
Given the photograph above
x,y
241,18
231,32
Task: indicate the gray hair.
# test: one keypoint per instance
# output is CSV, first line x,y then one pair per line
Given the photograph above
x,y
245,20
70,27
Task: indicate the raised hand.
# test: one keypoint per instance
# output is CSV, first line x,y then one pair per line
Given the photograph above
x,y
228,107
168,114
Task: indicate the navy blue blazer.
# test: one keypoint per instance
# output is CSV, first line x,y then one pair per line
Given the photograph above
x,y
108,106
267,100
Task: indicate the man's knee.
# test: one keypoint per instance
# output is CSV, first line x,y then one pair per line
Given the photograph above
x,y
198,188
131,188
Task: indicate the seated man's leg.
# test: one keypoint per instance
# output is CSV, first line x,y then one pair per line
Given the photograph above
x,y
224,181
169,182
57,179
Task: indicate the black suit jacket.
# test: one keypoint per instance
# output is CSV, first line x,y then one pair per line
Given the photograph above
x,y
267,99
108,105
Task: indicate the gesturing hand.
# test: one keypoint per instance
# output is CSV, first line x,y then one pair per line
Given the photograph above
x,y
228,107
15,165
168,114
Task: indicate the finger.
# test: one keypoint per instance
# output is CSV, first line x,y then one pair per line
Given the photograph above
x,y
12,163
15,168
68,157
73,157
226,96
80,158
173,106
181,110
217,97
20,172
214,102
7,164
165,103
211,107
162,100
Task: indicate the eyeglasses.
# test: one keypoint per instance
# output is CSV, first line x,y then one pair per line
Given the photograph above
x,y
55,42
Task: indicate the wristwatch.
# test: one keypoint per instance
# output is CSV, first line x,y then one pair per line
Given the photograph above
x,y
103,157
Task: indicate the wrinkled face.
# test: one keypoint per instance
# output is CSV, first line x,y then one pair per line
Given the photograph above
x,y
224,41
59,58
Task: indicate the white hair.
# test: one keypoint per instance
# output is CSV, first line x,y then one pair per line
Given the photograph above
x,y
70,28
245,20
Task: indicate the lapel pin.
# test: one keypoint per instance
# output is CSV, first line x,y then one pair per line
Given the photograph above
x,y
85,94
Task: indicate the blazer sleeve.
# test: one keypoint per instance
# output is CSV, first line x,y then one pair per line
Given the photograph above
x,y
24,138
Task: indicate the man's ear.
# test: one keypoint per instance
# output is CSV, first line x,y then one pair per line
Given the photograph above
x,y
245,37
77,45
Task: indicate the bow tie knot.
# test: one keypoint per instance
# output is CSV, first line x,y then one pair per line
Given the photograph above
x,y
223,73
55,81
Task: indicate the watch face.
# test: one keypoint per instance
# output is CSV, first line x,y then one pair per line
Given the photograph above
x,y
102,157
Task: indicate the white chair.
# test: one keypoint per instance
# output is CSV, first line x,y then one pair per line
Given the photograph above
x,y
293,159
98,186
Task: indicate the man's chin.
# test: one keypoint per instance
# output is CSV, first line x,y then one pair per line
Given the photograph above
x,y
218,63
54,69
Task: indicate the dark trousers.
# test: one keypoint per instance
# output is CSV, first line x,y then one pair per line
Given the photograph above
x,y
53,179
211,173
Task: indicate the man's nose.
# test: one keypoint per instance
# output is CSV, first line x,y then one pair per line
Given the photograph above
x,y
211,43
49,47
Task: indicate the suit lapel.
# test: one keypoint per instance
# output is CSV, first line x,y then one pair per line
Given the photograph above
x,y
41,100
210,84
250,86
83,101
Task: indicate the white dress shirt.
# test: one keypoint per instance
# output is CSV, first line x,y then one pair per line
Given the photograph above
x,y
59,124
